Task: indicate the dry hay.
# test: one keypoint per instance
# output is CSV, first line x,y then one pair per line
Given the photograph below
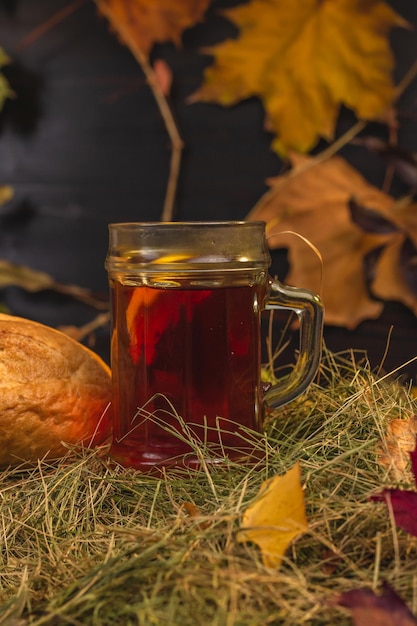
x,y
85,543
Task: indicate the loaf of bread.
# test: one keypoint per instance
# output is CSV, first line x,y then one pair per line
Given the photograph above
x,y
54,393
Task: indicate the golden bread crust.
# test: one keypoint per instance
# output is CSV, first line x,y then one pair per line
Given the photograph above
x,y
53,391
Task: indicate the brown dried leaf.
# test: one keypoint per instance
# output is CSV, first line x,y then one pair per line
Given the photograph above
x,y
142,23
396,279
25,277
400,440
34,280
195,513
312,200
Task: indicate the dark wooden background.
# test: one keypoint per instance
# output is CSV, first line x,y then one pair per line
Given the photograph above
x,y
83,145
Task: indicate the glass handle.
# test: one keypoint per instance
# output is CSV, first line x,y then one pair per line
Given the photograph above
x,y
310,312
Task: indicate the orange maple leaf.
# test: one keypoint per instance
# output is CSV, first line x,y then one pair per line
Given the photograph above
x,y
142,23
303,59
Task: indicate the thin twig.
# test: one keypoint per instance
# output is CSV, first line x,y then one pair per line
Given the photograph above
x,y
160,98
165,110
80,333
171,128
307,165
53,21
406,81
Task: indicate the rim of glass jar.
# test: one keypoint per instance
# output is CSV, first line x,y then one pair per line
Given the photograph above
x,y
215,223
114,262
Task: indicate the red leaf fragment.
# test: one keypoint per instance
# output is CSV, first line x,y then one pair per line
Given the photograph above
x,y
403,502
404,507
384,609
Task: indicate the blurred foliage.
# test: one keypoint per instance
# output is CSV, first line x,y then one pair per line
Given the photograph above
x,y
5,89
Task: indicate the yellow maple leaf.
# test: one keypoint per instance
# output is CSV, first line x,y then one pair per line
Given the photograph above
x,y
303,59
276,517
142,23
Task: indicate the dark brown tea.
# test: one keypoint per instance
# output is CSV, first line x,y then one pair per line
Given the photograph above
x,y
186,372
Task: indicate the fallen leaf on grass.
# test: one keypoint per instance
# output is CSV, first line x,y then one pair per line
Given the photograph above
x,y
313,201
292,53
142,23
276,517
330,562
402,502
194,512
400,440
384,609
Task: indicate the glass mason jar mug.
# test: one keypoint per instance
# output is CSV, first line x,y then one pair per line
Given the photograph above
x,y
186,304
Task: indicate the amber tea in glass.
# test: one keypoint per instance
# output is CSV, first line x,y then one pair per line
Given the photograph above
x,y
186,302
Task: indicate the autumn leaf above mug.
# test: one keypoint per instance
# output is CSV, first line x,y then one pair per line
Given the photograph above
x,y
302,61
367,239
